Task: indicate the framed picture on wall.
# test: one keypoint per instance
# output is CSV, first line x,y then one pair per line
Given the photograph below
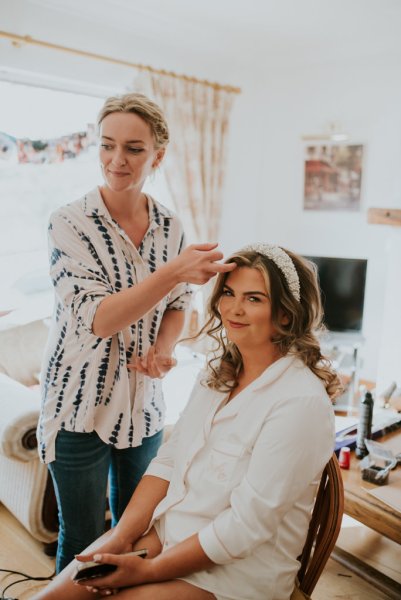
x,y
332,176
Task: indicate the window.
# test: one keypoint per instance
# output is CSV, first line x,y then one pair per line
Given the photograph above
x,y
48,157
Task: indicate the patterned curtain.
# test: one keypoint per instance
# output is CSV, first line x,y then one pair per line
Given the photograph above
x,y
198,117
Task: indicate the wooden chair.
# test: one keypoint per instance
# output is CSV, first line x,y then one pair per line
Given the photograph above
x,y
324,526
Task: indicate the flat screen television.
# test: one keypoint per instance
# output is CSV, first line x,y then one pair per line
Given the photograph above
x,y
342,284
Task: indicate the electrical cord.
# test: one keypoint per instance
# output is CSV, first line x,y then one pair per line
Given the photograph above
x,y
25,578
3,597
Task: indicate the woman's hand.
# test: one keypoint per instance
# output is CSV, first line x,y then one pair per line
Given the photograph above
x,y
113,543
155,363
197,263
131,570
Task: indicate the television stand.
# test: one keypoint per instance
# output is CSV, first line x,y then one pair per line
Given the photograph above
x,y
343,349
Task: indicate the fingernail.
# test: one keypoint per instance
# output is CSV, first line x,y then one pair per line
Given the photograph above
x,y
97,557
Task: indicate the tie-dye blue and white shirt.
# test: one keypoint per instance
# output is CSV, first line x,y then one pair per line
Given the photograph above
x,y
86,385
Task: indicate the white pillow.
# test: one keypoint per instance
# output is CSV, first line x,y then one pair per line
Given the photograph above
x,y
21,351
19,410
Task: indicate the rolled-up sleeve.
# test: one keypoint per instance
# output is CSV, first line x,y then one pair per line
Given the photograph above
x,y
180,297
79,278
291,451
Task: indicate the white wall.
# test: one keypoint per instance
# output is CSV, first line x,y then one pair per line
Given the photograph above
x,y
265,176
156,47
389,364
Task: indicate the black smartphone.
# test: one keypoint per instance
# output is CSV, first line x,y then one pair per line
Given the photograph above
x,y
92,569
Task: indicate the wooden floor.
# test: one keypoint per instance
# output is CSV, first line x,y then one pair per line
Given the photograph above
x,y
20,552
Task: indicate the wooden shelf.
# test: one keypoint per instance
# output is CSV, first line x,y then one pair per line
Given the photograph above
x,y
384,216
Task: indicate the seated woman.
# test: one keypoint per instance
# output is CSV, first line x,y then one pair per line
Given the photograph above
x,y
224,507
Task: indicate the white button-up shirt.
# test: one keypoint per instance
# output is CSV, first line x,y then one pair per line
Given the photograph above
x,y
244,475
86,384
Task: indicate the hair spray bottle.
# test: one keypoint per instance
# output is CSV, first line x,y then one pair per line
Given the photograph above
x,y
365,425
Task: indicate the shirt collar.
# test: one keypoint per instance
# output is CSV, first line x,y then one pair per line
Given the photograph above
x,y
157,212
94,206
269,376
273,372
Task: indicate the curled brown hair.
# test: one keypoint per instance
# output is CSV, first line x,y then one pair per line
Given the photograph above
x,y
298,335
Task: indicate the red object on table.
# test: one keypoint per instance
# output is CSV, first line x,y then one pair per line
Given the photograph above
x,y
345,458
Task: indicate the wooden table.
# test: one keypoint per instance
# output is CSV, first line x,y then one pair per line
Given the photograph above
x,y
373,513
364,507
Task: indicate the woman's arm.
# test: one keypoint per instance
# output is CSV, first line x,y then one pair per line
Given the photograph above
x,y
170,329
83,286
185,558
158,361
196,264
136,517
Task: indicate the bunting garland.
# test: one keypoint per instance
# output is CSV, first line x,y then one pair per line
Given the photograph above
x,y
54,150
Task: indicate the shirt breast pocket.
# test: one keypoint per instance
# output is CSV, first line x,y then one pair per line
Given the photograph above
x,y
228,462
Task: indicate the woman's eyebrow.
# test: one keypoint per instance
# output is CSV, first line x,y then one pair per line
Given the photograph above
x,y
106,137
255,293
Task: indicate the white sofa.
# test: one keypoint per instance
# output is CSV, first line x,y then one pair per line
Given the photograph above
x,y
25,486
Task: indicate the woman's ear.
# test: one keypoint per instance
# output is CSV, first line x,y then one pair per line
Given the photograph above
x,y
284,319
159,157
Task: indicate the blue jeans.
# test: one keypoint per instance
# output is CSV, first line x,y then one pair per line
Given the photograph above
x,y
80,473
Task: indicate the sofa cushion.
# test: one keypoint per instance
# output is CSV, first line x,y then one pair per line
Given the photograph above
x,y
19,408
21,351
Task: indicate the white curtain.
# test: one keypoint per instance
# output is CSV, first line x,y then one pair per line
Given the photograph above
x,y
198,118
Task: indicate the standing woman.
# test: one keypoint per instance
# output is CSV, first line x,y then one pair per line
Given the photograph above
x,y
120,274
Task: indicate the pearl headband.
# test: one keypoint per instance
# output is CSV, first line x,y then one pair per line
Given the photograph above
x,y
282,261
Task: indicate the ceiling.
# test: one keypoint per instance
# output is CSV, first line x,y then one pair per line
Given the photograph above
x,y
229,36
